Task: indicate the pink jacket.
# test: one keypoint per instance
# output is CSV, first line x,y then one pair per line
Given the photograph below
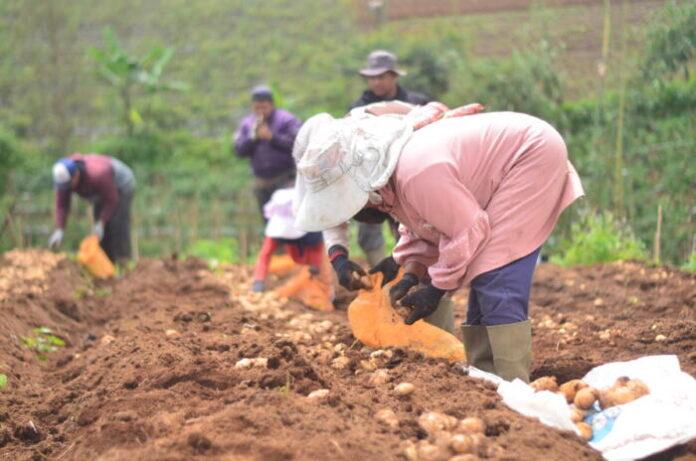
x,y
478,192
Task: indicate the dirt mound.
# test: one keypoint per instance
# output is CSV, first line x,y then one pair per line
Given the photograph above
x,y
173,361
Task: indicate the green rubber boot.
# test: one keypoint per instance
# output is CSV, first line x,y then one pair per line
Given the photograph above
x,y
477,348
511,345
443,317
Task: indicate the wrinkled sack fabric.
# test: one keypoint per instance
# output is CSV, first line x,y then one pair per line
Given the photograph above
x,y
376,324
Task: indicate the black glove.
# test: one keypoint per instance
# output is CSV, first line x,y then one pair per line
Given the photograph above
x,y
348,272
424,302
388,268
400,288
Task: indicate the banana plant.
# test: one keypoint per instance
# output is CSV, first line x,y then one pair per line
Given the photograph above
x,y
126,74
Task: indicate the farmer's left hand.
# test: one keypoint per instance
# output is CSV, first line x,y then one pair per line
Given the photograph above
x,y
423,302
388,268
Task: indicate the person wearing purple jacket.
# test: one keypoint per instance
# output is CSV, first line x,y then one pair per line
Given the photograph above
x,y
266,137
108,184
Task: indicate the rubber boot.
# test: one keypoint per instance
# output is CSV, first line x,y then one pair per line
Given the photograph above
x,y
477,348
511,345
443,317
375,256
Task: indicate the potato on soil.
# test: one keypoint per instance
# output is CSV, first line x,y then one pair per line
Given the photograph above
x,y
471,425
545,383
571,388
404,389
585,398
429,452
462,443
432,422
387,417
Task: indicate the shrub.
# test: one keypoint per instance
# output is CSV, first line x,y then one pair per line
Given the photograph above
x,y
690,265
225,250
599,238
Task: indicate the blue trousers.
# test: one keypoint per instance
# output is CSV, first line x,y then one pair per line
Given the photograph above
x,y
501,296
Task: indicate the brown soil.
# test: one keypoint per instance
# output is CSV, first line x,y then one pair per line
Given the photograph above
x,y
149,367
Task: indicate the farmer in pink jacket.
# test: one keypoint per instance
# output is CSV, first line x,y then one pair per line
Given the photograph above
x,y
476,197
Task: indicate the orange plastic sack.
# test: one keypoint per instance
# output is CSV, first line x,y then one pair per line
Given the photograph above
x,y
316,292
281,264
376,324
94,259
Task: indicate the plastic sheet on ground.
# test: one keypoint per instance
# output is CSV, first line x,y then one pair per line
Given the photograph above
x,y
650,424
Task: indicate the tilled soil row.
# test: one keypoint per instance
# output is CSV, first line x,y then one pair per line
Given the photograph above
x,y
173,361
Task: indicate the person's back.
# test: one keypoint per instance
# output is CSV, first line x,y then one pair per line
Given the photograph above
x,y
108,184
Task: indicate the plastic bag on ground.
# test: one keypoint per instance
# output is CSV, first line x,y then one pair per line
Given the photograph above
x,y
376,324
315,291
664,418
94,259
282,264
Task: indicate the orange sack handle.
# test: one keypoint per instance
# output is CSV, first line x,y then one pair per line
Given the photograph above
x,y
94,259
376,324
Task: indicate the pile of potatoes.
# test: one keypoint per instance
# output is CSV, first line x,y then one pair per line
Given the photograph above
x,y
450,439
582,397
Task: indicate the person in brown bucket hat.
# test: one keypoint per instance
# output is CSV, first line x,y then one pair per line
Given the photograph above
x,y
382,76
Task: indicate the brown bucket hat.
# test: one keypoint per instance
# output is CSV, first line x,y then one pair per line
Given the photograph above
x,y
379,62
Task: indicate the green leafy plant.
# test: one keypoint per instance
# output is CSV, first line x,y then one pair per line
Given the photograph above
x,y
126,73
225,250
690,265
599,238
43,342
3,381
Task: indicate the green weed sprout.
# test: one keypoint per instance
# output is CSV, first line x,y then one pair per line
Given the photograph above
x,y
43,342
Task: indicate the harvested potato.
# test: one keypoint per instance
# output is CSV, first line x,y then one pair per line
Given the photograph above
x,y
318,395
442,440
571,388
623,391
387,417
379,377
585,398
432,422
577,415
411,451
471,425
461,443
478,438
638,386
545,383
404,389
430,452
585,430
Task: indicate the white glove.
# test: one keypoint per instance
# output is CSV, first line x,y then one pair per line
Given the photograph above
x,y
98,230
55,239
